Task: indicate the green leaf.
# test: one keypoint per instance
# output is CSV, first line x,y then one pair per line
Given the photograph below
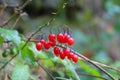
x,y
27,54
21,72
1,40
89,69
11,35
48,63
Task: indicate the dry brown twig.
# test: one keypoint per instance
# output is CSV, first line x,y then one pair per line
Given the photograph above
x,y
18,10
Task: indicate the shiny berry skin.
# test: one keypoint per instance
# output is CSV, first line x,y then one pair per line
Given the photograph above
x,y
70,41
47,45
52,37
66,37
42,41
70,55
38,46
57,51
75,58
53,43
62,55
60,37
66,51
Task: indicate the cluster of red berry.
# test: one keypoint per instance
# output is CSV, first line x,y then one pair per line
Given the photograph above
x,y
62,39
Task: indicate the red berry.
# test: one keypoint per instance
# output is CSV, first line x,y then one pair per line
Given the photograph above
x,y
75,58
52,37
66,51
70,55
42,41
62,55
70,41
53,43
38,46
47,45
66,37
60,37
56,50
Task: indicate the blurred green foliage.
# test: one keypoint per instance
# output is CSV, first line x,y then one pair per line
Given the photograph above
x,y
96,34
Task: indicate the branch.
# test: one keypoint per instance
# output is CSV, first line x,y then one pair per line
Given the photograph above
x,y
47,71
25,4
60,78
92,76
22,47
104,65
8,61
2,10
90,61
39,29
47,24
6,22
18,18
82,74
19,10
100,64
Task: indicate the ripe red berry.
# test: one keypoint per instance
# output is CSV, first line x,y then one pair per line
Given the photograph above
x,y
38,46
53,43
47,45
66,51
75,58
70,41
42,41
66,37
52,37
70,55
62,55
56,50
60,37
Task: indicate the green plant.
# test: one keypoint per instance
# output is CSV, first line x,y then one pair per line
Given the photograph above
x,y
29,55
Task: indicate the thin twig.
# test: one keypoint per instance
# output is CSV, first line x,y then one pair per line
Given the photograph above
x,y
47,71
98,63
39,29
1,12
82,74
61,78
83,57
90,61
18,18
8,62
36,32
100,68
6,22
104,65
75,73
78,73
25,4
23,46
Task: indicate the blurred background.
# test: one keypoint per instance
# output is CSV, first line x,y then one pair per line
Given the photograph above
x,y
95,26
